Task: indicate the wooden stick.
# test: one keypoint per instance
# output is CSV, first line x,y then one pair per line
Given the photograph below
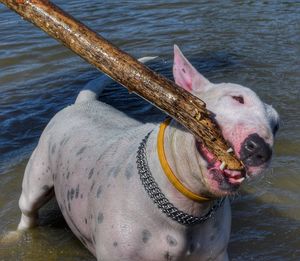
x,y
123,68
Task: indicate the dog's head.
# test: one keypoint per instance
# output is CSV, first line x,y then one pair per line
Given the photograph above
x,y
247,124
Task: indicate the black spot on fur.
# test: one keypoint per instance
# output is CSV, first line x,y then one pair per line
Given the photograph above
x,y
45,187
68,195
128,174
115,244
91,173
85,221
77,191
99,158
146,235
171,241
93,185
72,193
99,190
81,151
129,171
100,218
53,149
67,139
62,142
114,172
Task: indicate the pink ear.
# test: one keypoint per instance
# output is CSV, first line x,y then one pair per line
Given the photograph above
x,y
186,75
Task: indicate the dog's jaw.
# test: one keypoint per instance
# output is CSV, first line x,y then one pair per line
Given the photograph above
x,y
219,180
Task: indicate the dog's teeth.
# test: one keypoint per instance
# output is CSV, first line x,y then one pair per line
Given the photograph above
x,y
223,165
230,150
240,180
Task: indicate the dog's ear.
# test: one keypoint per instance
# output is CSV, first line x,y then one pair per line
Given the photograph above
x,y
185,75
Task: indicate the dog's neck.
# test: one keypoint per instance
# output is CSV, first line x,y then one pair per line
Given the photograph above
x,y
186,163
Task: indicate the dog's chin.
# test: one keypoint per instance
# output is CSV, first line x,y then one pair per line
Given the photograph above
x,y
219,180
220,185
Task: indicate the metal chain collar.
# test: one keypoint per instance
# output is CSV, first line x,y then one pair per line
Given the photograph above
x,y
159,198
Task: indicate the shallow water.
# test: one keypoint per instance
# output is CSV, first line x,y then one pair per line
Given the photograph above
x,y
254,43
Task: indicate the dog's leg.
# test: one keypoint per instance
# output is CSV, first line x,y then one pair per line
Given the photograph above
x,y
37,188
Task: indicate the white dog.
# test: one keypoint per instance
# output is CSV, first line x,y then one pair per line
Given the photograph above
x,y
111,174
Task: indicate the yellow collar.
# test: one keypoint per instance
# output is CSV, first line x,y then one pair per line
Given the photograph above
x,y
167,169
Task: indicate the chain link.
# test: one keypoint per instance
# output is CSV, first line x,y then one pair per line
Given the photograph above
x,y
159,198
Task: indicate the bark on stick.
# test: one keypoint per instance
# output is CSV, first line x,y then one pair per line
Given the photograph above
x,y
123,68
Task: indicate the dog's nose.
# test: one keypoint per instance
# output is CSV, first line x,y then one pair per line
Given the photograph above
x,y
255,151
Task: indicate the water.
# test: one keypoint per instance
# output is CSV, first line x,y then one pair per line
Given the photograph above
x,y
254,43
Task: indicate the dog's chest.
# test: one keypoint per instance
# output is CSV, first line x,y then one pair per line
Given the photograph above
x,y
106,206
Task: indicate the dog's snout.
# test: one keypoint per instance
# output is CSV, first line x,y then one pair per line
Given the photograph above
x,y
255,151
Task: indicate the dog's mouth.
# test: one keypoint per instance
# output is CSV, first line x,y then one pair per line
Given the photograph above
x,y
220,178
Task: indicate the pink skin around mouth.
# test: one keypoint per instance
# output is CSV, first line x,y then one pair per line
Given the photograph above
x,y
234,178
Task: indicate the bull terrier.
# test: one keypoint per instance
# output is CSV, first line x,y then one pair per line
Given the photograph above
x,y
145,191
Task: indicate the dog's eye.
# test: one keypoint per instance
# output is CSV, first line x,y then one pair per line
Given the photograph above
x,y
240,99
